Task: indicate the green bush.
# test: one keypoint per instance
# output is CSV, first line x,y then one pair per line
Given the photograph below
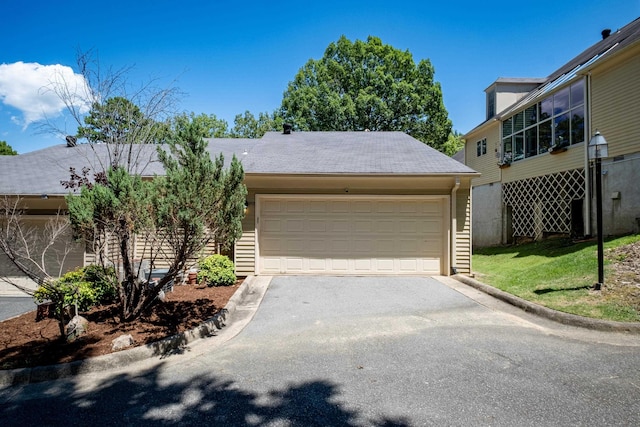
x,y
216,270
87,287
104,282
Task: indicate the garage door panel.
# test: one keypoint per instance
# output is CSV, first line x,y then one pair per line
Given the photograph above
x,y
339,265
408,264
316,246
269,206
294,225
386,207
350,235
338,226
363,206
294,265
340,246
318,265
362,265
295,206
339,206
271,225
317,226
385,265
385,226
362,246
364,226
318,206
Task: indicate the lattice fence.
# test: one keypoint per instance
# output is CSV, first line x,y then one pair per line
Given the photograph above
x,y
543,204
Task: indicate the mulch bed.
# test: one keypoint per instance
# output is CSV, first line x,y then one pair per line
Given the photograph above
x,y
27,343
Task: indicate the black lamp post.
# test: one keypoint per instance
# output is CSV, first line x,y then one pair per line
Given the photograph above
x,y
598,149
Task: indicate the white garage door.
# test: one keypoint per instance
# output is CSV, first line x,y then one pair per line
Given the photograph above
x,y
351,235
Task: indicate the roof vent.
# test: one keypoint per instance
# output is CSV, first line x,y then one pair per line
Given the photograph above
x,y
286,128
71,141
606,33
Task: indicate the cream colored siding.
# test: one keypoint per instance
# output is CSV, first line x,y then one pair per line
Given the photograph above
x,y
545,164
246,246
164,255
616,103
463,231
486,164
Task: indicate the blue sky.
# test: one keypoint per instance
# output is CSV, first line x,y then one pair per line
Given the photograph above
x,y
228,57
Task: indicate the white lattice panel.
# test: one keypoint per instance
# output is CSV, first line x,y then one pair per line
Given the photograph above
x,y
543,204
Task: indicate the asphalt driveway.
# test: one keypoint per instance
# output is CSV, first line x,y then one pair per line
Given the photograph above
x,y
14,306
361,351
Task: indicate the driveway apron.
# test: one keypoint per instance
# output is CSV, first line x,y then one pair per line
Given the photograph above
x,y
359,351
413,351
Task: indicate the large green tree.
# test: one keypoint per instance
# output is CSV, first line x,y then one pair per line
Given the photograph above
x,y
454,143
210,126
248,126
121,126
6,150
368,85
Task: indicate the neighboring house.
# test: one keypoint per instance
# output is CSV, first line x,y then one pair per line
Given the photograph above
x,y
536,179
342,203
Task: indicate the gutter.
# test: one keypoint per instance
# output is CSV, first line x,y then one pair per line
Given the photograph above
x,y
454,226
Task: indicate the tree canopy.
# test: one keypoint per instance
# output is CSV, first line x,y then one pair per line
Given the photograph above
x,y
247,126
6,150
454,143
367,85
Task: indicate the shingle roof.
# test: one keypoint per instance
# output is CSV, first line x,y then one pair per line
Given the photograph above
x,y
40,172
348,153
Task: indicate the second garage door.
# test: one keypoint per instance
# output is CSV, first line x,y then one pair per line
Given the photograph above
x,y
351,235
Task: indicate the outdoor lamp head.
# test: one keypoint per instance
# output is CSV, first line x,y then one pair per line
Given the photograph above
x,y
598,147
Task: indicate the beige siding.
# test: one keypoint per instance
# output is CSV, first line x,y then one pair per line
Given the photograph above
x,y
164,254
545,164
486,164
616,102
463,231
245,246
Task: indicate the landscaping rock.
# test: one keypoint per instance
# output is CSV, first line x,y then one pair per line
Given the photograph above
x,y
77,327
123,341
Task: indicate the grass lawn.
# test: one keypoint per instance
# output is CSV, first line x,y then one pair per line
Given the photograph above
x,y
560,274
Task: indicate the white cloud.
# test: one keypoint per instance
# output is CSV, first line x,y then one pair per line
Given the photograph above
x,y
31,88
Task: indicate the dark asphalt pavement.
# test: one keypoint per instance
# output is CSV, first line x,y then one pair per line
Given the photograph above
x,y
337,351
14,306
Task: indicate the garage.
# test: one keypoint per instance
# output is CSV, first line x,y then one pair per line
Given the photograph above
x,y
351,235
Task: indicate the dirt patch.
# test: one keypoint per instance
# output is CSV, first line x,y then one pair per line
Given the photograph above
x,y
27,343
622,276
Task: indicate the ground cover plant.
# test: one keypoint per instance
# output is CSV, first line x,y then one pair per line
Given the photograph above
x,y
560,274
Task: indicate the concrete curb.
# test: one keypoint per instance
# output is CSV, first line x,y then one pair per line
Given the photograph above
x,y
121,358
557,316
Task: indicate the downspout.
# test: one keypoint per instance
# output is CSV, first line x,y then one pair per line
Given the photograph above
x,y
587,187
454,226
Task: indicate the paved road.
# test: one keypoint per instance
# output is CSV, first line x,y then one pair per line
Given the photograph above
x,y
362,351
14,306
